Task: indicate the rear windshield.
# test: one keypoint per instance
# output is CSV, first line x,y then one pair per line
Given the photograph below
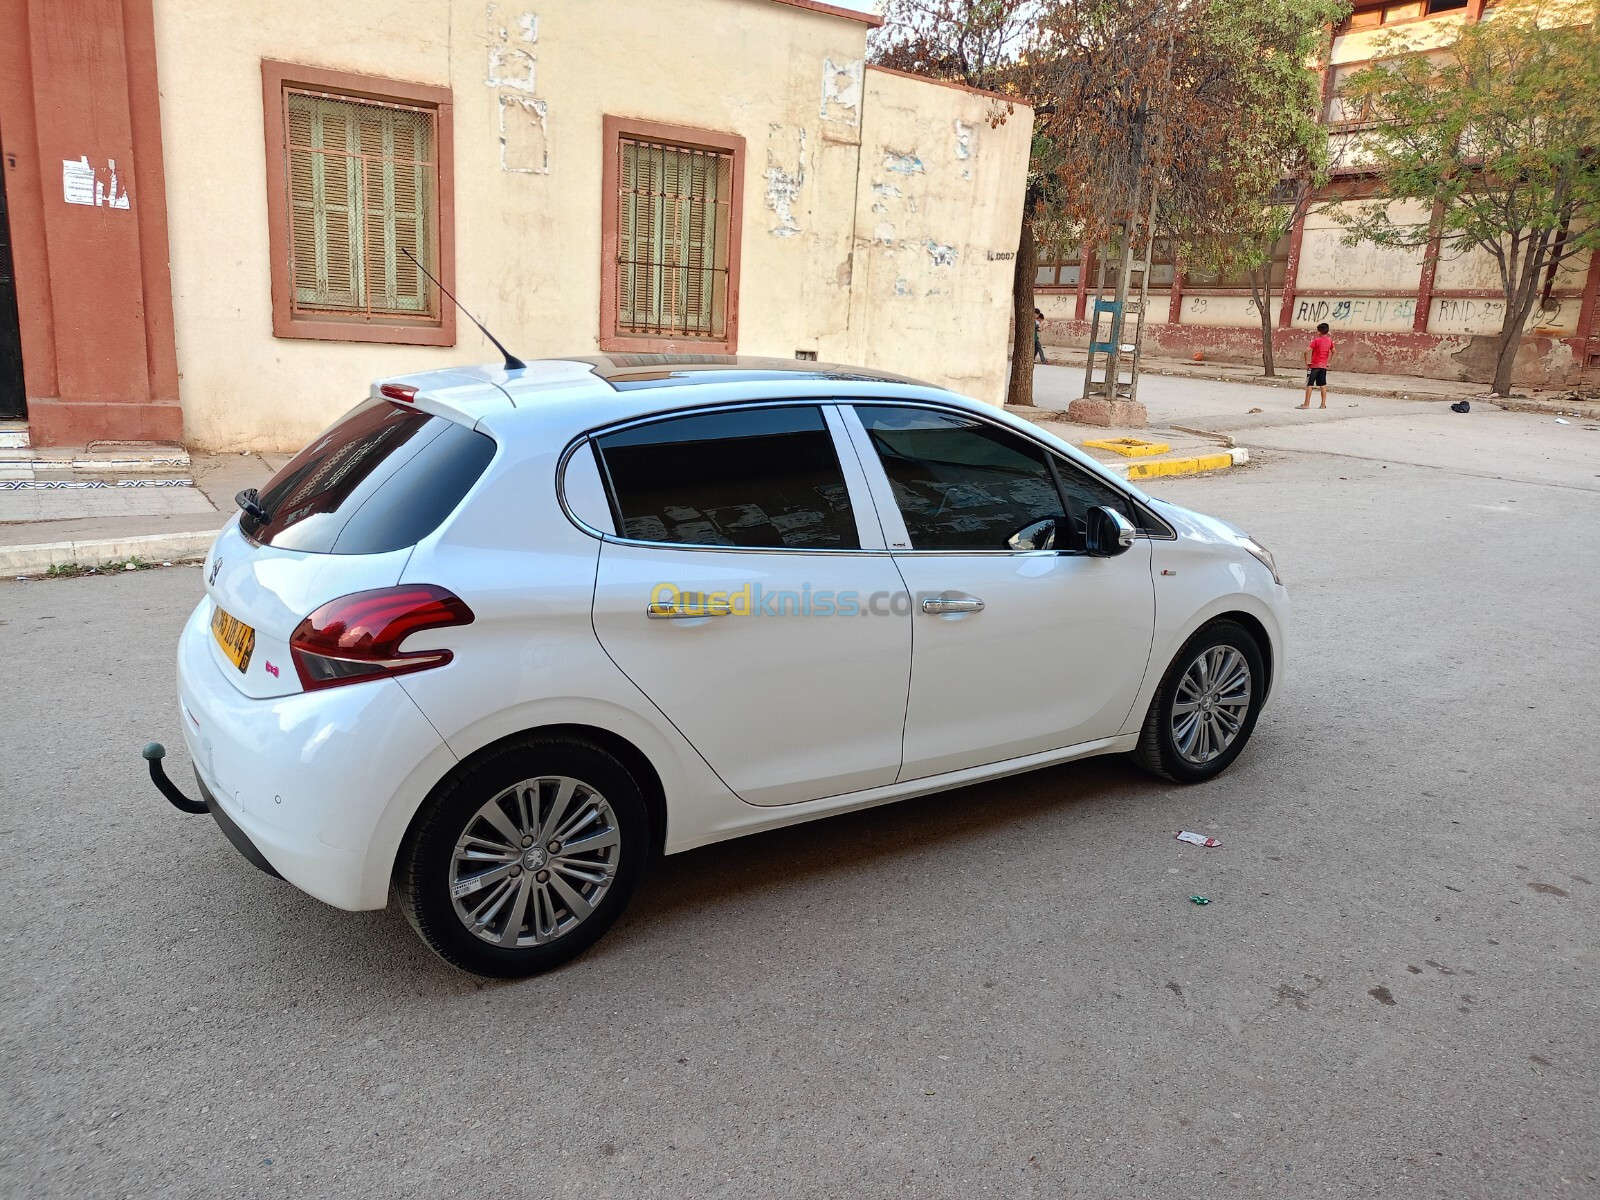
x,y
381,478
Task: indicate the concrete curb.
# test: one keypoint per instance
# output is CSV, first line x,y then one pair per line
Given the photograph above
x,y
1195,464
1295,382
1587,410
1230,454
38,558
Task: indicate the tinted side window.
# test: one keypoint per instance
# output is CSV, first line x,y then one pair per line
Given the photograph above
x,y
1085,491
422,492
380,478
759,477
961,483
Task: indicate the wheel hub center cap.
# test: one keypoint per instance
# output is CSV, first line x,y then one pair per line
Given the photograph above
x,y
534,857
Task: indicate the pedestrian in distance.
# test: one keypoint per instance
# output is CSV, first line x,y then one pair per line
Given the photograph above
x,y
1317,355
1038,346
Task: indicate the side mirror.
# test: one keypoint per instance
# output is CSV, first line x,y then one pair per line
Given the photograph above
x,y
1109,532
1040,535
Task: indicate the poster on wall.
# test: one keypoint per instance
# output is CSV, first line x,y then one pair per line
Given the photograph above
x,y
96,187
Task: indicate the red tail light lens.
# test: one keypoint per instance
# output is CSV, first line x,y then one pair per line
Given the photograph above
x,y
358,637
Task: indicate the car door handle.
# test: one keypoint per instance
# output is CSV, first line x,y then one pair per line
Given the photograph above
x,y
684,611
937,605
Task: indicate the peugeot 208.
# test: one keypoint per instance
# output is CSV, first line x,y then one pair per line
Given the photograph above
x,y
499,637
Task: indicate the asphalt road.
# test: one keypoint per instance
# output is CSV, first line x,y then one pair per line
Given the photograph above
x,y
997,991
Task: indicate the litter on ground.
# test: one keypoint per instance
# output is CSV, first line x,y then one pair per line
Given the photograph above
x,y
1197,839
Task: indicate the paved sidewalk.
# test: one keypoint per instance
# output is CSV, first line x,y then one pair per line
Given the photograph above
x,y
94,527
1290,377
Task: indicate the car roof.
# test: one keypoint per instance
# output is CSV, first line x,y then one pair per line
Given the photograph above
x,y
557,400
625,372
564,396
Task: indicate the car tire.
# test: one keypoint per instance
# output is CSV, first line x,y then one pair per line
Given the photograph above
x,y
1195,728
486,850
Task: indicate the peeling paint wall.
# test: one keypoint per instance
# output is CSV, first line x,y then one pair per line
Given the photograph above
x,y
1325,262
939,211
870,201
787,145
841,91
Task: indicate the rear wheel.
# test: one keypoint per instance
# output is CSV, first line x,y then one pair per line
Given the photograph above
x,y
1205,709
524,858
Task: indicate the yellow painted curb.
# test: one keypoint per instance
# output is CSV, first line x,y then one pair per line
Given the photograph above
x,y
1181,466
1128,447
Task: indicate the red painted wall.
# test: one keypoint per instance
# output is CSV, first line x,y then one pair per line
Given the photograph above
x,y
77,81
1543,362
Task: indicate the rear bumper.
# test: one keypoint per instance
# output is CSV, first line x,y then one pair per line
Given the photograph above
x,y
319,786
241,841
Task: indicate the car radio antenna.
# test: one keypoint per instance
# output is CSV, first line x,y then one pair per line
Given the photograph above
x,y
513,363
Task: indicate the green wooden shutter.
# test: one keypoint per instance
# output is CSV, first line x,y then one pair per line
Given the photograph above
x,y
362,185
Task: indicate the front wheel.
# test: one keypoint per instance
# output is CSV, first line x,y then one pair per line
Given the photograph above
x,y
1205,709
523,858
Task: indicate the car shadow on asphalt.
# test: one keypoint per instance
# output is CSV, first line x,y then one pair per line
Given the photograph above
x,y
685,886
695,895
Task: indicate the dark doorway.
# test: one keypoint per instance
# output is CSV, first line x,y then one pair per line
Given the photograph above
x,y
12,403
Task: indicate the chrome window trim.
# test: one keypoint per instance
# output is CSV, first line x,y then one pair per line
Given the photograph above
x,y
821,403
847,403
845,408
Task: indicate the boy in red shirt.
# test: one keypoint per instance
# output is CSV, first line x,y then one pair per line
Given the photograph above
x,y
1317,355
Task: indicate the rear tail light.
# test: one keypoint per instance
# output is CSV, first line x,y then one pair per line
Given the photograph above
x,y
358,637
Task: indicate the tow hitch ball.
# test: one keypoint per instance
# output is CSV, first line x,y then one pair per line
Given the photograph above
x,y
154,752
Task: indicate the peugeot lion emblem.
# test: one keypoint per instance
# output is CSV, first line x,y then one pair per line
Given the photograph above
x,y
216,565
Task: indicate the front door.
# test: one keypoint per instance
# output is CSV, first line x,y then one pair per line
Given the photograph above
x,y
12,404
742,597
1021,643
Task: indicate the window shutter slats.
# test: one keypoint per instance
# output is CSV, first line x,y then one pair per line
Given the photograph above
x,y
672,239
362,181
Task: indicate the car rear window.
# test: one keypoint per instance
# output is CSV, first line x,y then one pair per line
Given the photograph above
x,y
381,478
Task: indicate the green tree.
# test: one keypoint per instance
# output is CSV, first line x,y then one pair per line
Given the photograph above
x,y
1234,201
1499,133
1204,104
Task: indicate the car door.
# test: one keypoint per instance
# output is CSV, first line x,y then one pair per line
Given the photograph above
x,y
1021,642
746,592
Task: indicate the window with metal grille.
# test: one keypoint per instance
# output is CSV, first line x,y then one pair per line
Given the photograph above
x,y
363,184
674,219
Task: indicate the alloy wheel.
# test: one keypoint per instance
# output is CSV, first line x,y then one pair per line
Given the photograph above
x,y
534,862
1210,704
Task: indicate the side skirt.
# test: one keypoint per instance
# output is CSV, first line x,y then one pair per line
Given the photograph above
x,y
759,819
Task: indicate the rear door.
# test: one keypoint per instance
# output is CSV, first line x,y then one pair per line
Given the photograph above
x,y
1021,643
747,594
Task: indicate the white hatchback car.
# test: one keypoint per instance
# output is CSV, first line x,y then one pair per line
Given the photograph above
x,y
497,638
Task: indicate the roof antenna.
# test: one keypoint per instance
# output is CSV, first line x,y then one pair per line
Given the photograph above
x,y
513,363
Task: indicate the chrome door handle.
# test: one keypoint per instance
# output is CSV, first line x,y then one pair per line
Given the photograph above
x,y
688,610
936,605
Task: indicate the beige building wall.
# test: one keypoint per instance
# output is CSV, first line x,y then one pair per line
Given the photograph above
x,y
818,127
937,219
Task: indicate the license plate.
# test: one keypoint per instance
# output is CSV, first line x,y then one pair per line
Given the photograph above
x,y
238,640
